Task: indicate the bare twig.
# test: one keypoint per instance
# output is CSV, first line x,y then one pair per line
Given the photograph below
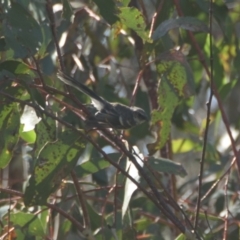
x,y
152,25
205,138
139,77
216,183
226,220
82,200
53,28
154,18
39,71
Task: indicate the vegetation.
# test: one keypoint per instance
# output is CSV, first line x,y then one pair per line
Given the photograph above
x,y
174,177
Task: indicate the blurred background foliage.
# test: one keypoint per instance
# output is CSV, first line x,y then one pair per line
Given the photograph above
x,y
154,54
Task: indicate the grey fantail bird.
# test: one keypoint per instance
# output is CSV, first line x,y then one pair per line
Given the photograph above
x,y
107,114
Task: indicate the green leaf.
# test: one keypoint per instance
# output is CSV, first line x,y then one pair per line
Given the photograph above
x,y
134,20
167,166
47,38
22,32
45,133
29,119
67,10
142,223
9,112
9,128
130,187
9,121
94,165
183,145
188,23
176,82
225,90
181,237
125,2
175,67
31,222
29,137
15,67
96,219
56,160
3,44
107,10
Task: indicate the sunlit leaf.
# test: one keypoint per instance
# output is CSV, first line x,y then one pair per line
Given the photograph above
x,y
9,129
55,162
29,119
94,165
183,145
45,133
176,82
134,20
29,136
130,187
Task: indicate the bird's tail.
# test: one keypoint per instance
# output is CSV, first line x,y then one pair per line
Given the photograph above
x,y
78,85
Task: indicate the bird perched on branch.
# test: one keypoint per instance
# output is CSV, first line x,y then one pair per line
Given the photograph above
x,y
107,114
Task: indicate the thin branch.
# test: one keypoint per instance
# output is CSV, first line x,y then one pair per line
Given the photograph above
x,y
154,18
115,200
82,200
104,205
39,71
53,28
152,25
226,220
217,182
170,199
205,138
139,77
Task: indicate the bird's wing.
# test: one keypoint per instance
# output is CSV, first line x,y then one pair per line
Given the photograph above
x,y
106,117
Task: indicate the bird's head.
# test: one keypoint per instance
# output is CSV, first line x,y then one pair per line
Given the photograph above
x,y
139,115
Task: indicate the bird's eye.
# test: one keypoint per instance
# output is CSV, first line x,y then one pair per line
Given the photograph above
x,y
140,116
